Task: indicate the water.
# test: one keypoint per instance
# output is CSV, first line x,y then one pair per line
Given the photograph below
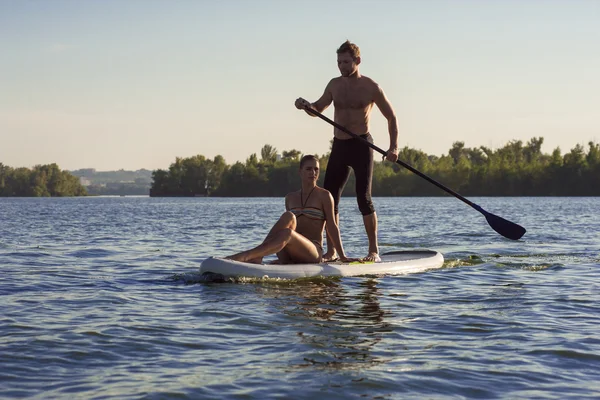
x,y
100,298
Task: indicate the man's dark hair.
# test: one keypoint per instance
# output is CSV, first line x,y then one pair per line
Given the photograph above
x,y
350,48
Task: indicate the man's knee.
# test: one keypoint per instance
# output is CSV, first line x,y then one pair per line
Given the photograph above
x,y
365,205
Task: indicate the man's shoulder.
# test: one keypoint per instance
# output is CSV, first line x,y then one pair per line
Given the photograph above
x,y
369,81
335,81
364,80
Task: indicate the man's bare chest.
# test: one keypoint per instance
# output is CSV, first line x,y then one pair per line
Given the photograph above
x,y
352,96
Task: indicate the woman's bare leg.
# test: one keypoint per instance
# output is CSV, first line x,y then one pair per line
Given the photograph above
x,y
273,243
287,220
290,247
283,257
285,241
301,250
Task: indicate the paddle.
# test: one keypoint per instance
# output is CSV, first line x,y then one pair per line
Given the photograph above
x,y
504,227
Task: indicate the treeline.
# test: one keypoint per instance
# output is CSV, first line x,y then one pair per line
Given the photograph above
x,y
516,169
199,176
40,181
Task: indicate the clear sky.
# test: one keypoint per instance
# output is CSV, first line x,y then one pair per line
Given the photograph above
x,y
133,84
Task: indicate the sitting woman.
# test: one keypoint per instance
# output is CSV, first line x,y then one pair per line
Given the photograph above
x,y
298,235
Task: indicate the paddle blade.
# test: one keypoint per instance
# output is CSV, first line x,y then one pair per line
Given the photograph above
x,y
504,227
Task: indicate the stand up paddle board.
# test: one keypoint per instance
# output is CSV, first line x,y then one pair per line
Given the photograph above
x,y
394,263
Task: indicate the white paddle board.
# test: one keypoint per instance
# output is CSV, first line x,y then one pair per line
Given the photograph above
x,y
394,263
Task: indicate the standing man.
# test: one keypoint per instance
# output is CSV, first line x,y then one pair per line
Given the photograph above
x,y
353,96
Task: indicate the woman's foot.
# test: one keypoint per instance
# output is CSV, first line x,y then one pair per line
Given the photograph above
x,y
243,257
237,257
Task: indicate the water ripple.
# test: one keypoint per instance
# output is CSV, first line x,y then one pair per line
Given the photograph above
x,y
102,298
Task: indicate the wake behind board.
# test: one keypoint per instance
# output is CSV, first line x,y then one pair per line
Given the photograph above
x,y
394,263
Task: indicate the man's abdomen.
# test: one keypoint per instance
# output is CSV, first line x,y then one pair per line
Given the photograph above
x,y
355,120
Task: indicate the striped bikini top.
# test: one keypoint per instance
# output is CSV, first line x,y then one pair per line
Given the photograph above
x,y
309,212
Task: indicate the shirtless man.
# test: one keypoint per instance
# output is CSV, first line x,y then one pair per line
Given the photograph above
x,y
353,96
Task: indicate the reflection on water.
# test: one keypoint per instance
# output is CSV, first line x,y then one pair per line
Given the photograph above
x,y
339,324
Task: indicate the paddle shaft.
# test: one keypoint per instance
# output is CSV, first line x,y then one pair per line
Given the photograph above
x,y
504,227
405,165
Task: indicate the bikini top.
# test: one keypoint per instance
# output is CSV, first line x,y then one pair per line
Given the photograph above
x,y
309,212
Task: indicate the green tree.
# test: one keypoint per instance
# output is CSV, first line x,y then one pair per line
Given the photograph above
x,y
160,183
457,151
252,161
42,180
217,168
593,156
194,180
268,154
291,156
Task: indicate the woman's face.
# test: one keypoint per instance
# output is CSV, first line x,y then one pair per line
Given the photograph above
x,y
310,170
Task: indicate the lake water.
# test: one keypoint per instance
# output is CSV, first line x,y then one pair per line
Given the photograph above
x,y
101,298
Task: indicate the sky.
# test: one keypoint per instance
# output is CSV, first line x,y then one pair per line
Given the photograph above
x,y
135,84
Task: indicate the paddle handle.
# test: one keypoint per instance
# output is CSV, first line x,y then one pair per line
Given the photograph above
x,y
402,163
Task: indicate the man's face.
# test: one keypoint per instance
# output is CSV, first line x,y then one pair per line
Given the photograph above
x,y
347,65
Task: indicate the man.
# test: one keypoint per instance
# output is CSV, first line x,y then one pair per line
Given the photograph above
x,y
353,96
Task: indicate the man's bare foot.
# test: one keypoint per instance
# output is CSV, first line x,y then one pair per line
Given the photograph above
x,y
330,257
372,256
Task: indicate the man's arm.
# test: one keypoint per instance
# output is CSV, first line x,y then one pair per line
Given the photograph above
x,y
388,112
325,100
319,105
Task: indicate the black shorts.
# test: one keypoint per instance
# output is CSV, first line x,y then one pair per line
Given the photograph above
x,y
345,154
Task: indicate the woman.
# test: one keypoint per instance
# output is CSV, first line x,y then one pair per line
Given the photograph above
x,y
298,235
